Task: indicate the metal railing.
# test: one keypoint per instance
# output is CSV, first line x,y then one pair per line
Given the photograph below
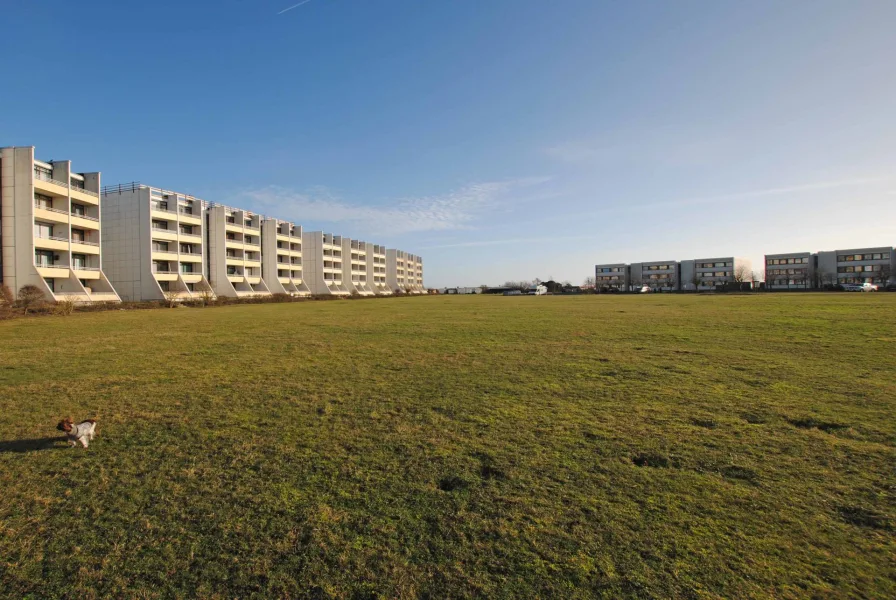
x,y
83,268
190,253
84,191
40,176
84,242
160,209
51,209
88,217
55,238
184,233
122,187
164,272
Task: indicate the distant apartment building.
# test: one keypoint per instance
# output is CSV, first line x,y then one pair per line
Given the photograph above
x,y
234,252
396,270
857,266
414,273
712,273
50,228
281,257
154,243
323,263
376,269
661,275
794,270
354,266
612,276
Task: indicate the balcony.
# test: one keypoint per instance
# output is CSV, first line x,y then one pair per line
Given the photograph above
x,y
189,236
87,196
50,242
57,215
85,247
85,221
46,184
167,235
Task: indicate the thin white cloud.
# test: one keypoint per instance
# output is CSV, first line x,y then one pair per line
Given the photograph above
x,y
289,8
526,240
455,210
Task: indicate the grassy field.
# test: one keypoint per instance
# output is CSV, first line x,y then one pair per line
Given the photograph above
x,y
437,447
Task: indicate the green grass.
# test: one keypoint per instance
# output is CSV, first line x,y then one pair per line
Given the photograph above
x,y
437,447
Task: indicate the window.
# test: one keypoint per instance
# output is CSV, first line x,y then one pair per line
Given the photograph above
x,y
84,283
160,225
160,246
159,266
43,230
159,205
231,270
43,173
164,286
231,219
78,209
51,283
186,210
187,249
41,201
186,267
187,229
77,235
79,261
77,184
44,258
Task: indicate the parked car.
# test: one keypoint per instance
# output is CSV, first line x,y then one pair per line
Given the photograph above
x,y
645,289
863,287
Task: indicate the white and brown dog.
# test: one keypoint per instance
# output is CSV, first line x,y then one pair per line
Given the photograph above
x,y
82,432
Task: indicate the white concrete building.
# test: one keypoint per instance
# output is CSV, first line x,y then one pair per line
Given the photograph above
x,y
376,270
414,273
281,257
154,242
354,267
322,253
396,270
663,275
51,228
791,271
710,273
234,252
857,265
611,276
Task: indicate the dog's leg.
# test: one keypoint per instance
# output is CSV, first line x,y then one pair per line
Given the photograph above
x,y
84,441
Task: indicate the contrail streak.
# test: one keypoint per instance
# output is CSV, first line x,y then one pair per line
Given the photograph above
x,y
293,6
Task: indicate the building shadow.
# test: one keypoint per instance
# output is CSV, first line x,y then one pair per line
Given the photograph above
x,y
47,443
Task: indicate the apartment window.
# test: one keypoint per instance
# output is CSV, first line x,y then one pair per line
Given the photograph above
x,y
160,246
44,258
79,261
159,266
186,267
78,235
43,230
187,249
248,222
78,209
51,283
41,201
187,229
159,205
186,210
231,219
165,286
231,270
43,173
231,253
83,282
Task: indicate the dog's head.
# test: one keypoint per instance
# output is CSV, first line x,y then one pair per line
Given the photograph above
x,y
65,425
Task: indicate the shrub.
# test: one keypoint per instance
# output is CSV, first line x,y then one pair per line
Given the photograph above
x,y
65,306
6,296
30,296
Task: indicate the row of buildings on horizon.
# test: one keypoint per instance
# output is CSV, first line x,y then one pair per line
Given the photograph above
x,y
789,271
71,237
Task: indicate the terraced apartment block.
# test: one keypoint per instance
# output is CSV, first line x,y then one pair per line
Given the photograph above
x,y
354,267
323,264
376,270
51,230
281,257
234,247
155,243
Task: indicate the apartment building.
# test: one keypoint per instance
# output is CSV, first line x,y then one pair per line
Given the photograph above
x,y
396,270
710,273
323,263
376,270
50,228
612,276
154,242
281,257
663,275
234,252
354,267
856,266
414,273
794,270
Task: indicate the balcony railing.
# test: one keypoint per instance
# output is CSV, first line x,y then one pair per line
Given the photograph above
x,y
164,210
191,253
55,238
49,265
82,268
157,272
252,243
55,210
88,217
40,176
84,191
84,242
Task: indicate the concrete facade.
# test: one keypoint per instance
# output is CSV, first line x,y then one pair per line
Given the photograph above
x,y
281,257
51,228
613,276
858,266
710,273
414,273
234,252
663,275
376,270
323,263
790,271
155,243
396,270
355,275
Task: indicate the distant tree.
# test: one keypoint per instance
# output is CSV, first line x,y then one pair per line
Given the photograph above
x,y
171,296
483,287
883,275
756,277
696,281
30,296
742,273
636,282
206,295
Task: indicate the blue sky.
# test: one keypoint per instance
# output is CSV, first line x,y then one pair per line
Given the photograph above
x,y
499,139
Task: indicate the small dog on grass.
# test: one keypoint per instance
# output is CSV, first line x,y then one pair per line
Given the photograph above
x,y
82,432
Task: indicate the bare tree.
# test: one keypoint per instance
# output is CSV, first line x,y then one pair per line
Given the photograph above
x,y
636,283
883,275
6,296
30,296
172,296
65,306
206,295
742,273
590,281
696,281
